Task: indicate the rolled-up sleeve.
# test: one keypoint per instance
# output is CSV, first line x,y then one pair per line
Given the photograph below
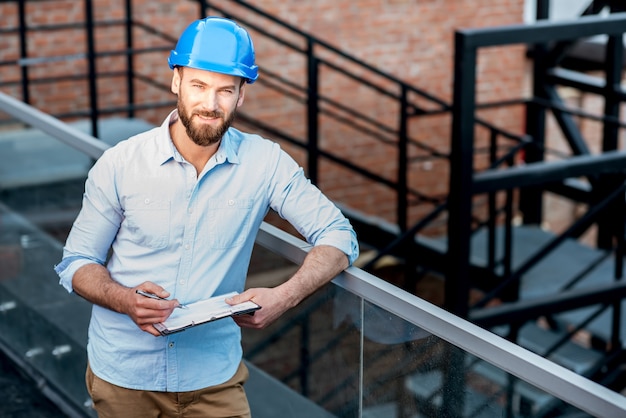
x,y
313,215
67,267
344,239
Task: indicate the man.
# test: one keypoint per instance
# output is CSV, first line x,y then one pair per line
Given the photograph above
x,y
175,211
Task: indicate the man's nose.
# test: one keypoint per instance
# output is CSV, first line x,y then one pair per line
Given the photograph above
x,y
209,102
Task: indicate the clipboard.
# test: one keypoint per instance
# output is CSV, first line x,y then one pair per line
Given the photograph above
x,y
202,312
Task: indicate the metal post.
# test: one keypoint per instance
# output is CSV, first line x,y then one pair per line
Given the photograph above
x,y
23,50
91,63
130,70
492,209
614,226
461,172
610,142
531,200
620,227
543,9
410,261
459,213
402,162
204,5
312,113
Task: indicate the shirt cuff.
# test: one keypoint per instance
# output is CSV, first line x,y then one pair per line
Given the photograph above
x,y
66,269
337,239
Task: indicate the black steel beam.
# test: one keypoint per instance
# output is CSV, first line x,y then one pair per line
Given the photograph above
x,y
553,304
547,172
546,31
581,81
568,125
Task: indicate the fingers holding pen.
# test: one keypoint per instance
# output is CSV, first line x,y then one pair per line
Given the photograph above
x,y
150,288
148,305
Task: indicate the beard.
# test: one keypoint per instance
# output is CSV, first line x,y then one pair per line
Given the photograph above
x,y
204,135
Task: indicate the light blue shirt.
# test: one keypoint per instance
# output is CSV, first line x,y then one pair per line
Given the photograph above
x,y
191,234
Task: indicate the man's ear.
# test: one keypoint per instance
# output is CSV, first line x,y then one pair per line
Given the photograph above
x,y
175,81
242,93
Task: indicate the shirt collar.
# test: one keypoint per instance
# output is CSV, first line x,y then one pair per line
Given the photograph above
x,y
165,146
227,151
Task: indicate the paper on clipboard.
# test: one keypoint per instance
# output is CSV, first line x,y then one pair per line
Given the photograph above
x,y
202,312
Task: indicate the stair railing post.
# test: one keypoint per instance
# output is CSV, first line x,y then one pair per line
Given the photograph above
x,y
613,65
91,64
402,202
461,174
620,228
23,50
203,6
403,141
492,208
312,113
130,69
530,199
459,211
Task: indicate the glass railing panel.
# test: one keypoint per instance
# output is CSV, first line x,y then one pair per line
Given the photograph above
x,y
339,355
42,327
41,177
408,372
312,355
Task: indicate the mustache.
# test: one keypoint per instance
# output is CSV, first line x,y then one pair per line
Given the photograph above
x,y
209,114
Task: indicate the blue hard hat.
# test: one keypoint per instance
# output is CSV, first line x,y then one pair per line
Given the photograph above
x,y
216,44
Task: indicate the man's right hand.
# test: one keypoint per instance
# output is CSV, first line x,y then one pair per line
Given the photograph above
x,y
145,311
94,283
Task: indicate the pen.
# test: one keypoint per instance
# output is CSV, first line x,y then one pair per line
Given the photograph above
x,y
153,296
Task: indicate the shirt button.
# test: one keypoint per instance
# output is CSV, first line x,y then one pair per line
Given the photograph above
x,y
190,210
171,345
231,202
182,282
146,201
186,246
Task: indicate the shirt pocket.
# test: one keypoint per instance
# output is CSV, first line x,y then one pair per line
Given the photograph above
x,y
148,221
229,222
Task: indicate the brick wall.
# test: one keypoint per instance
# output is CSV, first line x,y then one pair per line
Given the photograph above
x,y
410,40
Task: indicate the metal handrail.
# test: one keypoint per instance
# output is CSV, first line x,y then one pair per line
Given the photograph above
x,y
31,116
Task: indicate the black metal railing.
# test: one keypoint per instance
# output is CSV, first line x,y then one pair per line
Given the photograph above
x,y
310,95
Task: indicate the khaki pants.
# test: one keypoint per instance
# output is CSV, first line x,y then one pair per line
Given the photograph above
x,y
221,401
